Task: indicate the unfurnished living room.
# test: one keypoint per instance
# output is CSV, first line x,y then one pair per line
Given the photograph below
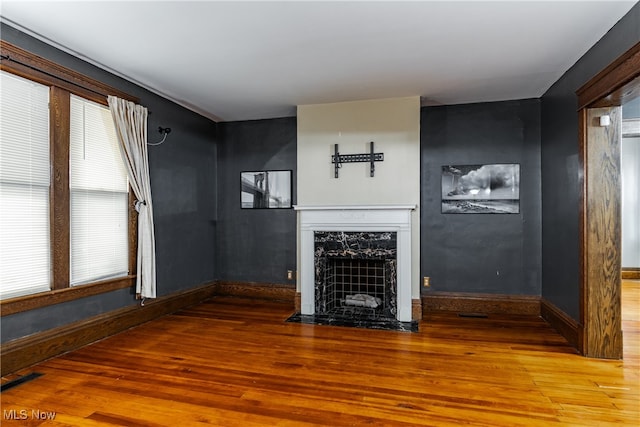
x,y
320,213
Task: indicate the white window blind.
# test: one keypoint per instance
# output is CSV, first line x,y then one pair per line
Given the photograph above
x,y
99,196
24,187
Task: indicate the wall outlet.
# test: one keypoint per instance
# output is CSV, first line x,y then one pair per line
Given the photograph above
x,y
289,274
426,281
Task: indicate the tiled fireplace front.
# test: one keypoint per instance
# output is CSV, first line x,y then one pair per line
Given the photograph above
x,y
355,273
356,260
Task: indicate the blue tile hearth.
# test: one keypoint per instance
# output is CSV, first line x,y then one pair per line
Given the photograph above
x,y
354,322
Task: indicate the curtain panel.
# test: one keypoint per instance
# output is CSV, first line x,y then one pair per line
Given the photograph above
x,y
131,128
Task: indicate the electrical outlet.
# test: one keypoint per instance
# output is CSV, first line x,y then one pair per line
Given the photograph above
x,y
289,274
426,281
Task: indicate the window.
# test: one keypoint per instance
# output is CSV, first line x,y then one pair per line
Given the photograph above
x,y
99,195
65,210
24,187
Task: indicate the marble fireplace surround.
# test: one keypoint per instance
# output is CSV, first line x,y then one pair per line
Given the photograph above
x,y
373,218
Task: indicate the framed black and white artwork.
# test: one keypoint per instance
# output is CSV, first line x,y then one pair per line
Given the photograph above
x,y
265,190
481,189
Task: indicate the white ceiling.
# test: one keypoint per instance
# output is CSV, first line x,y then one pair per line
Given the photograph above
x,y
239,60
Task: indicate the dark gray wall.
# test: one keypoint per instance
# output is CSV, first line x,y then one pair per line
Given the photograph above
x,y
484,253
561,170
255,245
202,234
183,181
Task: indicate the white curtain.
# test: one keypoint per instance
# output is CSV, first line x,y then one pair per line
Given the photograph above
x,y
131,127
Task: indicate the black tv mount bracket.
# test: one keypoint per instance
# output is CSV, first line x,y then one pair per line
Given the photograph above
x,y
338,159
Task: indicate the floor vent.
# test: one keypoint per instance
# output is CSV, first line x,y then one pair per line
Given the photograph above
x,y
23,379
476,315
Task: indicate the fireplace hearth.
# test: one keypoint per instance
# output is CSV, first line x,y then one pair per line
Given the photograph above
x,y
360,321
356,266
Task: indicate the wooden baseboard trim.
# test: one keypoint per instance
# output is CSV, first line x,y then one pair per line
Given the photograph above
x,y
631,273
268,291
298,302
461,302
561,322
416,309
23,352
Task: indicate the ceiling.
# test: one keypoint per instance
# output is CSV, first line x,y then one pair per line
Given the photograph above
x,y
240,60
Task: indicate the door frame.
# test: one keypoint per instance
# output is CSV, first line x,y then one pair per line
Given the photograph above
x,y
613,86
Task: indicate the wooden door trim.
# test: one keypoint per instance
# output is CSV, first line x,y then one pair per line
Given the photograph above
x,y
614,85
601,240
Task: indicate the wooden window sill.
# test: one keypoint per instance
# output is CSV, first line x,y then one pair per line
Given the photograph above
x,y
43,299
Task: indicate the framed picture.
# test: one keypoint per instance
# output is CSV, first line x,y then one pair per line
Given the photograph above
x,y
265,190
481,189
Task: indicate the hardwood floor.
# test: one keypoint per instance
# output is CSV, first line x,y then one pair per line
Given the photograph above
x,y
234,362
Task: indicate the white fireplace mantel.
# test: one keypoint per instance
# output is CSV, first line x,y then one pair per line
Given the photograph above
x,y
394,218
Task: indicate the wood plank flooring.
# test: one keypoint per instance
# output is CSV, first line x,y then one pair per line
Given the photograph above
x,y
236,362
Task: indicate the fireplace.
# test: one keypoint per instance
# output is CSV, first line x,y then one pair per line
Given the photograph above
x,y
356,259
355,274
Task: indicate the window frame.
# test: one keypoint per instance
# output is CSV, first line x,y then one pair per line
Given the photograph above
x,y
63,82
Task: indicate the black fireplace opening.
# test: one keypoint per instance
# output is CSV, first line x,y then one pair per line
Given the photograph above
x,y
356,288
